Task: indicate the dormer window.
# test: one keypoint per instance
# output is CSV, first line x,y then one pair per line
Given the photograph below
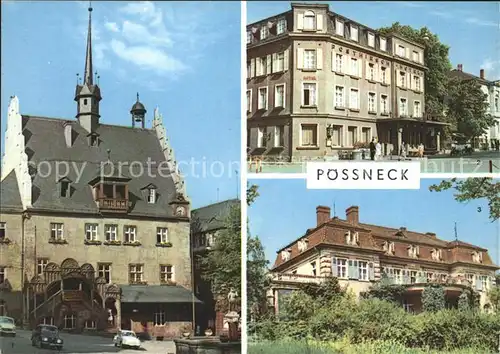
x,y
352,238
388,247
111,193
264,32
249,37
436,254
383,44
152,196
339,28
477,257
285,255
93,139
65,187
371,39
302,245
413,251
354,33
281,26
309,20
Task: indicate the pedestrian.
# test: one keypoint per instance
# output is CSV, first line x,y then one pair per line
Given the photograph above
x,y
372,149
421,150
403,151
378,151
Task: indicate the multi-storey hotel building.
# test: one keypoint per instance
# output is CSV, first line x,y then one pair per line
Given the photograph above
x,y
319,83
360,255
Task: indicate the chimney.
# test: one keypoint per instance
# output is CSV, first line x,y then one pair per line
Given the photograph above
x,y
431,234
68,134
402,228
352,215
322,215
459,67
481,74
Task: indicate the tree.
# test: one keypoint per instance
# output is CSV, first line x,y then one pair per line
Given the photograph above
x,y
467,108
494,297
387,292
257,276
433,298
324,292
435,58
221,267
473,189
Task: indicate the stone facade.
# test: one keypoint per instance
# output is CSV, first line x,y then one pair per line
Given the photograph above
x,y
360,255
319,83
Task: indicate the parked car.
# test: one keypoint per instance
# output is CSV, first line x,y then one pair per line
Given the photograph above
x,y
127,339
7,326
46,336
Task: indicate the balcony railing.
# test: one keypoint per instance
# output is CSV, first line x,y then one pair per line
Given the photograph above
x,y
72,295
296,278
112,204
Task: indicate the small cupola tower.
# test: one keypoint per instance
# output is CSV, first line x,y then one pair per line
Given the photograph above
x,y
138,112
88,94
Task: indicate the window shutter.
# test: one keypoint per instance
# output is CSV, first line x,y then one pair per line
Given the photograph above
x,y
346,67
408,53
420,58
319,58
267,104
349,270
406,278
388,74
252,67
360,67
356,270
335,272
300,58
375,72
367,70
285,60
408,80
258,67
371,271
268,63
319,22
275,62
300,21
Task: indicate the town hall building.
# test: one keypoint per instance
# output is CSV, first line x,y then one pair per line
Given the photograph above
x,y
101,247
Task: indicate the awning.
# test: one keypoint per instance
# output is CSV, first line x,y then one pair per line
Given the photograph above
x,y
157,294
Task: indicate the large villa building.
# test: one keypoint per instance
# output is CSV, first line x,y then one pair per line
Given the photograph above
x,y
360,255
320,84
98,248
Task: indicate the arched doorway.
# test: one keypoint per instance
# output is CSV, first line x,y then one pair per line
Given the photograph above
x,y
111,310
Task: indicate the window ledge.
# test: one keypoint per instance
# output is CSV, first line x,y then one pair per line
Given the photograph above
x,y
309,30
307,148
165,244
339,73
371,81
384,114
355,77
354,110
133,244
112,243
384,84
340,108
168,283
402,88
308,70
138,283
5,241
417,91
58,242
262,109
313,106
372,112
92,242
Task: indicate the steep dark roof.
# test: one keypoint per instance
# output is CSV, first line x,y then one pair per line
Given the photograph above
x,y
466,76
212,217
45,142
10,199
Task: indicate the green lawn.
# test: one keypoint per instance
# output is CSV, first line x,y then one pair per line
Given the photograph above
x,y
344,347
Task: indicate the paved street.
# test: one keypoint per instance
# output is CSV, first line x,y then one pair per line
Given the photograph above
x,y
75,344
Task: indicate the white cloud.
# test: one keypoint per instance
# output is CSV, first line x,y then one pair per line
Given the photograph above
x,y
112,26
147,57
137,33
479,22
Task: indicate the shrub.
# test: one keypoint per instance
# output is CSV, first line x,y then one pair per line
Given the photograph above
x,y
433,298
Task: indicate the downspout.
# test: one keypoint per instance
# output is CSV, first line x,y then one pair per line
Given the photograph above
x,y
24,305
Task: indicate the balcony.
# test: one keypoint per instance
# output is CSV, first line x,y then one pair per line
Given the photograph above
x,y
72,296
113,205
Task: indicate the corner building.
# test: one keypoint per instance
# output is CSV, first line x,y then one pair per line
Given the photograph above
x,y
98,248
320,84
360,255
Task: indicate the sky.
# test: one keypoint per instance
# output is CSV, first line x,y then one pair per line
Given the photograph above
x,y
183,57
285,209
470,29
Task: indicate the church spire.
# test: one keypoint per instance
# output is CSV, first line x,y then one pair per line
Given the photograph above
x,y
88,75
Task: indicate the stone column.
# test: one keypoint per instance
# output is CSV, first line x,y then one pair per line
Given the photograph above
x,y
400,140
118,319
438,141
